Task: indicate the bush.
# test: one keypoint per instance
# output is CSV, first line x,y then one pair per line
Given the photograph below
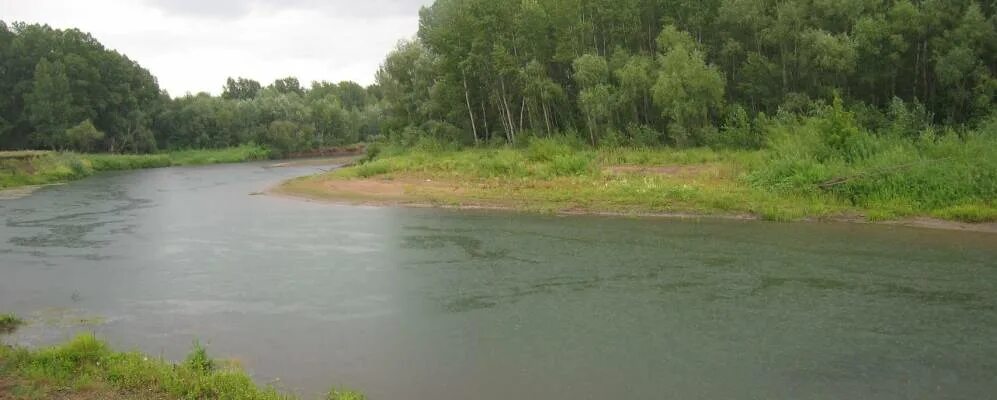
x,y
944,175
571,165
737,132
643,136
198,360
500,163
547,149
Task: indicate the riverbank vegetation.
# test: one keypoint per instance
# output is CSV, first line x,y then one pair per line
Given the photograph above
x,y
86,368
25,168
794,109
805,171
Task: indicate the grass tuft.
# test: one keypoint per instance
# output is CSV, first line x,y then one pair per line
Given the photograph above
x,y
9,323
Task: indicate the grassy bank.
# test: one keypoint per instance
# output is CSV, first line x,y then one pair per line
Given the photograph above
x,y
26,168
803,173
86,368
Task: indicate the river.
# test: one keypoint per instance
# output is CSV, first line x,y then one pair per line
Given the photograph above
x,y
437,304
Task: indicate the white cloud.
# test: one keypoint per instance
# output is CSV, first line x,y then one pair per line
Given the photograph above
x,y
193,45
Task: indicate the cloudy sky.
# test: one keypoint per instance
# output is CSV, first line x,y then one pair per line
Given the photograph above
x,y
193,45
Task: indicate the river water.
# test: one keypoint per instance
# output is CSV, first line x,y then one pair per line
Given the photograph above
x,y
435,304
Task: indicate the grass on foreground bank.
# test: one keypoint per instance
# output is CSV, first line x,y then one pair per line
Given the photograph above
x,y
802,174
25,168
85,368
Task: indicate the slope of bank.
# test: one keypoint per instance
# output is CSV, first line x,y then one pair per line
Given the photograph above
x,y
693,182
86,368
26,168
20,169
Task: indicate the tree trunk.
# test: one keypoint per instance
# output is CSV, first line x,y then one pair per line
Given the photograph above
x,y
592,130
546,117
470,113
508,113
522,114
484,117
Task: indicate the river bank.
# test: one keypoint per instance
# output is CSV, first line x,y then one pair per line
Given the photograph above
x,y
23,170
87,368
663,182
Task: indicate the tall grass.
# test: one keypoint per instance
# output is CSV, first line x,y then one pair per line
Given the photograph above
x,y
943,174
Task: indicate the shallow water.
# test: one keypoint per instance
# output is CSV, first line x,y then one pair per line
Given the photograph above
x,y
432,304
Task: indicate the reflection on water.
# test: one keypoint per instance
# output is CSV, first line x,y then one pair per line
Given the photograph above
x,y
428,304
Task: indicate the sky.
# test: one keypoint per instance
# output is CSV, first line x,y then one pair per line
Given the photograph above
x,y
194,45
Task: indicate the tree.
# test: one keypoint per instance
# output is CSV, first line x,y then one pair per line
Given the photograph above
x,y
688,90
287,86
83,136
241,89
49,105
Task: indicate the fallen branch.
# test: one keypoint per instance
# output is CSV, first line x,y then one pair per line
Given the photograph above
x,y
845,179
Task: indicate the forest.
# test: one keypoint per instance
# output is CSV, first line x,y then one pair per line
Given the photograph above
x,y
631,72
63,90
687,73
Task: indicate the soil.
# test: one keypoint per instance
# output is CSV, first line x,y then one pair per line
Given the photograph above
x,y
409,192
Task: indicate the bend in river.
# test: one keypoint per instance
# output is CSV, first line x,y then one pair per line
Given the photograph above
x,y
434,304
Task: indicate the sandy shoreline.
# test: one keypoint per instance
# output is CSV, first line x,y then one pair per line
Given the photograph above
x,y
378,193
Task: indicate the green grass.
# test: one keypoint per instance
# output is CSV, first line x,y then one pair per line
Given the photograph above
x,y
800,175
86,368
9,323
40,168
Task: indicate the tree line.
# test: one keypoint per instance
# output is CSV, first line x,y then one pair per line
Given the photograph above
x,y
62,90
684,72
610,72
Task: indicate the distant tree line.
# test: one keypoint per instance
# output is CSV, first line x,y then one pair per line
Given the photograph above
x,y
644,72
62,90
684,72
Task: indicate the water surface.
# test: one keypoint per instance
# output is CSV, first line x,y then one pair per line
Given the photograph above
x,y
431,304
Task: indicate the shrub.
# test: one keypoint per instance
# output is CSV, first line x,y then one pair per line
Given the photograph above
x,y
547,149
643,136
198,359
571,164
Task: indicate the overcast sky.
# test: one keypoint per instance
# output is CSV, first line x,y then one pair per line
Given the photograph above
x,y
193,45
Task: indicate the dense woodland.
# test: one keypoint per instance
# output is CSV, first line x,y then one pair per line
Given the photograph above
x,y
609,72
63,90
683,72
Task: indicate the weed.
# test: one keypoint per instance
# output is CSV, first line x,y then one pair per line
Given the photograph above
x,y
9,323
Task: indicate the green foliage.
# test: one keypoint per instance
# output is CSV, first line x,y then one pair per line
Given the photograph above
x,y
199,361
88,363
84,136
689,93
64,91
496,69
345,395
737,132
947,176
